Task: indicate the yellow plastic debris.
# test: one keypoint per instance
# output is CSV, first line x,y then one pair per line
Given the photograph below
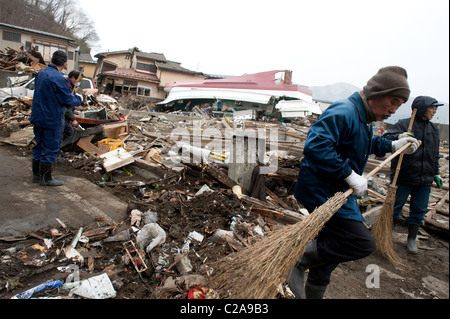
x,y
111,143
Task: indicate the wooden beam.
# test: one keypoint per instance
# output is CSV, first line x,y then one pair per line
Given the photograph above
x,y
86,145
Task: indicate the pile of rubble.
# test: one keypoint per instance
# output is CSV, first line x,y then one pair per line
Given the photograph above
x,y
183,214
21,60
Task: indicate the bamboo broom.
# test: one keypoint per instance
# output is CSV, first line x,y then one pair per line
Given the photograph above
x,y
257,271
383,227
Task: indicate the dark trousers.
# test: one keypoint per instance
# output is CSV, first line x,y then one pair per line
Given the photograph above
x,y
47,144
339,241
418,202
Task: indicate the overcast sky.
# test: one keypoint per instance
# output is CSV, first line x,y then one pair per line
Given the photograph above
x,y
322,41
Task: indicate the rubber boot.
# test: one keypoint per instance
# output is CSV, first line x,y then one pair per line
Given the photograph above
x,y
413,230
296,280
46,176
35,167
313,291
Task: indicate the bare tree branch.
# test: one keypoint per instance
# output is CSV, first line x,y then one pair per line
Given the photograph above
x,y
63,17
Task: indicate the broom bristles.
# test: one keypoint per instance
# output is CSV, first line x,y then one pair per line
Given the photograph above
x,y
382,230
256,272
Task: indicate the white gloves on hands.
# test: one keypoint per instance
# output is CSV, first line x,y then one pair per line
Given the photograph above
x,y
405,134
401,142
358,183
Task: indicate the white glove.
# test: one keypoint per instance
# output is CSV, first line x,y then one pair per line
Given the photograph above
x,y
358,183
406,134
401,142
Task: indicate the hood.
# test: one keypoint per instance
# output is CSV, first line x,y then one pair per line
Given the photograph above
x,y
421,103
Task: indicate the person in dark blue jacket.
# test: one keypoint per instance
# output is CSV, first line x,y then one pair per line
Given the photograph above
x,y
336,151
51,97
419,170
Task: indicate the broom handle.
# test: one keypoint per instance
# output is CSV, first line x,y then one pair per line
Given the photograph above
x,y
400,159
376,169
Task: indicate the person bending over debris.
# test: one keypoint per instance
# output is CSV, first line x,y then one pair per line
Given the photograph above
x,y
335,154
70,122
418,170
51,97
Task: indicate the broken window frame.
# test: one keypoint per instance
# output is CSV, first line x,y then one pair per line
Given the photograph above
x,y
145,89
129,86
145,67
108,66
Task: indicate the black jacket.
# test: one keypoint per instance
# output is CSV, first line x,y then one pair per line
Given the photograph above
x,y
69,116
420,167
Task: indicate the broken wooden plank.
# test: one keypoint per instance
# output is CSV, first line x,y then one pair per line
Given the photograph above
x,y
86,145
294,135
434,225
99,233
285,174
371,215
276,198
440,205
214,173
12,238
116,159
116,130
265,209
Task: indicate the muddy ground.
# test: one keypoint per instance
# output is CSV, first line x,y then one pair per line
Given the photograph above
x,y
180,213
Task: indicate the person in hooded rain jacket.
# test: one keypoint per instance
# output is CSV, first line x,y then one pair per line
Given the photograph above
x,y
51,97
334,158
418,170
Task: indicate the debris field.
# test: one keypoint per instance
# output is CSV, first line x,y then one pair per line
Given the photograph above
x,y
184,212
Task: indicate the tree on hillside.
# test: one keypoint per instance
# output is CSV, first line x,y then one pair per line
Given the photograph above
x,y
63,17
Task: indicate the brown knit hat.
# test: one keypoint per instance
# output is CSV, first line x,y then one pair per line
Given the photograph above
x,y
390,80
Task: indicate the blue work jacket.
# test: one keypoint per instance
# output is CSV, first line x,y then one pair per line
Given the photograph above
x,y
51,97
339,142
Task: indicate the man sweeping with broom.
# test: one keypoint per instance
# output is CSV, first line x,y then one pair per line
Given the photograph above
x,y
335,154
418,170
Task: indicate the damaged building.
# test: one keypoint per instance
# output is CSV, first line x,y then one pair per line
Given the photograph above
x,y
136,73
45,43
